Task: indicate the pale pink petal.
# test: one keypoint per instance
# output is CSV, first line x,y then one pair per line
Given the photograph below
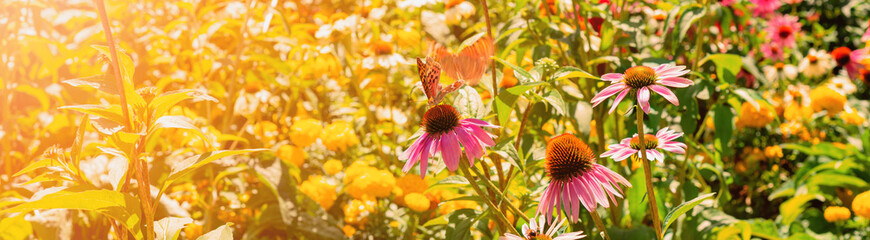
x,y
665,92
473,150
677,82
612,77
477,122
643,99
618,100
607,92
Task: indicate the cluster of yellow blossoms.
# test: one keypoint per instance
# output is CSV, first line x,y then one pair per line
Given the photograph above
x,y
319,190
860,205
753,117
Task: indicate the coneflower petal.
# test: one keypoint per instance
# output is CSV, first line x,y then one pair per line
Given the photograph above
x,y
665,92
450,150
643,99
607,92
611,77
618,99
678,82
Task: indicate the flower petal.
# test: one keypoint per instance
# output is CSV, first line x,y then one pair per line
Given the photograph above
x,y
450,150
611,77
618,100
677,82
643,99
607,92
665,92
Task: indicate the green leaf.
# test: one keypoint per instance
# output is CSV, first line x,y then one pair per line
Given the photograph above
x,y
224,232
188,165
161,104
571,72
107,112
15,228
723,119
452,180
555,99
792,208
506,150
134,100
121,207
521,74
169,227
727,66
682,209
468,103
506,99
35,165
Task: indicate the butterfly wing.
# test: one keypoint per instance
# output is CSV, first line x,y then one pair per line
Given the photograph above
x,y
430,74
470,63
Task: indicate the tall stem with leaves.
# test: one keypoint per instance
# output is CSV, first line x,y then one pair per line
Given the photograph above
x,y
139,167
647,172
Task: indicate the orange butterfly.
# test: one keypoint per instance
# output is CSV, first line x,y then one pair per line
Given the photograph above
x,y
430,76
470,63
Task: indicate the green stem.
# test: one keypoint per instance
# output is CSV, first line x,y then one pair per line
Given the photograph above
x,y
599,224
500,194
647,171
463,166
409,233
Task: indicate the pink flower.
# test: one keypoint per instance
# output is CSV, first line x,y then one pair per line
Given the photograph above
x,y
643,79
727,2
850,60
662,140
765,7
444,131
782,29
771,51
866,36
576,179
536,231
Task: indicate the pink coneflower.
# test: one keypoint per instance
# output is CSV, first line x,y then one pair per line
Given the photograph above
x,y
727,2
642,79
782,30
772,51
866,36
850,60
765,7
445,130
536,232
662,140
576,179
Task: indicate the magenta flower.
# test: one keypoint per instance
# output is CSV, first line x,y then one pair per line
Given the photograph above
x,y
765,7
782,30
445,130
576,179
771,51
850,60
663,140
536,231
643,79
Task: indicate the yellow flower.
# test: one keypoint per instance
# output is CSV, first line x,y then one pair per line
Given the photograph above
x,y
410,183
861,204
349,231
192,231
852,118
773,152
316,188
451,206
824,98
292,155
357,211
338,136
266,131
792,129
796,112
356,170
304,132
332,167
417,202
755,117
374,183
836,214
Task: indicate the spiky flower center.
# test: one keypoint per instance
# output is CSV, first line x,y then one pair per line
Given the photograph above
x,y
650,141
841,54
785,31
639,76
567,157
440,119
813,59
